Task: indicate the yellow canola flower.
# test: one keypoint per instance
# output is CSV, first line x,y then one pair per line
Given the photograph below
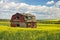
x,y
15,29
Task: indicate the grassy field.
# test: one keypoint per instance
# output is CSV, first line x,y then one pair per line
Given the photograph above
x,y
42,32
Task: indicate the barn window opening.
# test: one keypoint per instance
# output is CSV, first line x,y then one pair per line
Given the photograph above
x,y
18,25
17,17
28,17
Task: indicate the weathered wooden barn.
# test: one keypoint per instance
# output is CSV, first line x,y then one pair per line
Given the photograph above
x,y
23,20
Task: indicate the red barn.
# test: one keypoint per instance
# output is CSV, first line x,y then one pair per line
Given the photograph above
x,y
23,20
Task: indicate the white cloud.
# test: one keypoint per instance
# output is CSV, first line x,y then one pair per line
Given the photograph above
x,y
7,9
50,2
57,4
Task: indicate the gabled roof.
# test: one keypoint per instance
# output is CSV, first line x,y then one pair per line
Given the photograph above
x,y
25,14
28,14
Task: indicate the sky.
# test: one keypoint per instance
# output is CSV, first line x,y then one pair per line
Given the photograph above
x,y
42,9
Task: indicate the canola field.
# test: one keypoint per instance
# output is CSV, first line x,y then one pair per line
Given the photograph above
x,y
42,32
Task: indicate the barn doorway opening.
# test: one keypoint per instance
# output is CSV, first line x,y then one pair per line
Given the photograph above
x,y
18,25
17,17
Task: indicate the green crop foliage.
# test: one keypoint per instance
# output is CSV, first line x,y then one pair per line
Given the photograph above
x,y
42,32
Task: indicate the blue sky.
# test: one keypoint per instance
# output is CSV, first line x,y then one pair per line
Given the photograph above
x,y
36,2
42,9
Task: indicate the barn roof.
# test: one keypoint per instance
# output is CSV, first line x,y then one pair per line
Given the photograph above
x,y
28,14
25,14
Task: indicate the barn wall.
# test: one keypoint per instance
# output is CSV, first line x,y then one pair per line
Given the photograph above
x,y
31,24
13,25
22,24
